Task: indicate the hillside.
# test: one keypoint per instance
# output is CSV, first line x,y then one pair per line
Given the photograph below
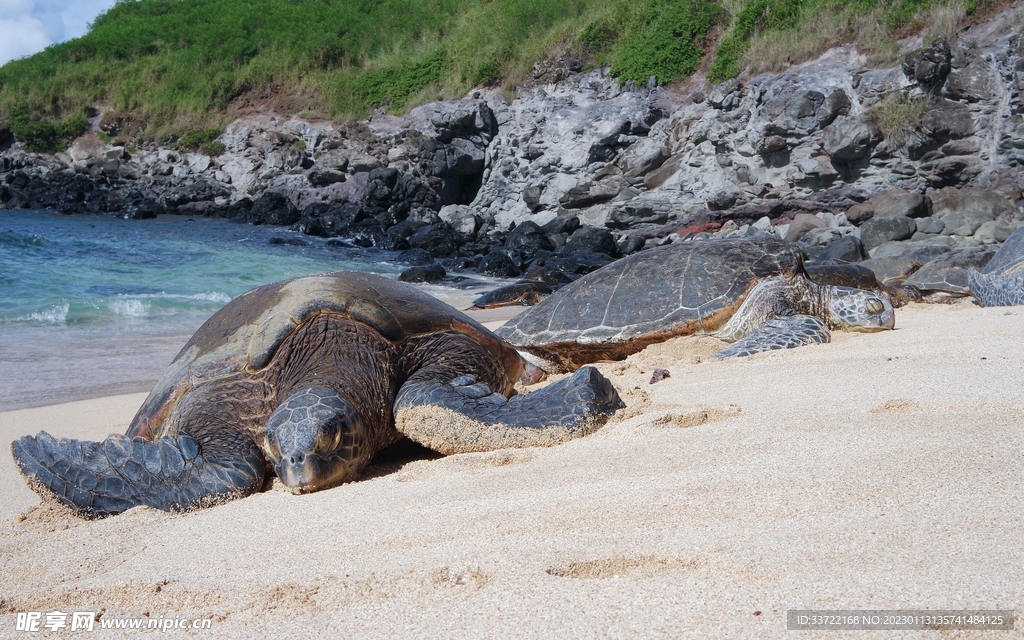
x,y
171,67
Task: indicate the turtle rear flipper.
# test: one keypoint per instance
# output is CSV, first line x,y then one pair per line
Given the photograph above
x,y
994,290
464,415
779,333
98,479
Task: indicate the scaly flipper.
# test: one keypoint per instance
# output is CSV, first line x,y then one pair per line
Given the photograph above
x,y
99,479
779,333
464,415
994,290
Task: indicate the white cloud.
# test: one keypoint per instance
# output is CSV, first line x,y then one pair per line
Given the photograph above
x,y
29,26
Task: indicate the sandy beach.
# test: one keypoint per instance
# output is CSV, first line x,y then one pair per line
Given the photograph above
x,y
881,471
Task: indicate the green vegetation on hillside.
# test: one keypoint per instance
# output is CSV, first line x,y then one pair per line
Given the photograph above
x,y
188,66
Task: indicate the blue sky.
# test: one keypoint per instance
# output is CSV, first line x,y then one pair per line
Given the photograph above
x,y
29,26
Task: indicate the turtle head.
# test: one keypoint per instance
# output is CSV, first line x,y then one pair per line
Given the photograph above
x,y
859,310
316,439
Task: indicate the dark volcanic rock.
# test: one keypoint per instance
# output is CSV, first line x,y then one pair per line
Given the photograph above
x,y
439,239
498,263
591,240
843,250
526,240
273,208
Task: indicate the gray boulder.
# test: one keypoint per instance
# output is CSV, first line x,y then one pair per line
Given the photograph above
x,y
878,231
850,138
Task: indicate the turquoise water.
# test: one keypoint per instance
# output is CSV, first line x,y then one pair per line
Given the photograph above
x,y
97,305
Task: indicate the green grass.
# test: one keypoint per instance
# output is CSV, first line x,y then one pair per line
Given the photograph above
x,y
172,67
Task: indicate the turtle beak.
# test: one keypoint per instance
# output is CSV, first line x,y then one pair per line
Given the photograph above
x,y
301,472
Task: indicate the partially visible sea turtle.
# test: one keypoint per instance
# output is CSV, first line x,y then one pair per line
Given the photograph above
x,y
752,292
524,292
943,279
861,277
1001,282
308,378
892,271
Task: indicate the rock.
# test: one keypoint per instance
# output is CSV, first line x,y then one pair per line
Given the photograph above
x,y
498,263
898,202
964,223
973,83
461,218
850,138
428,273
630,245
844,250
988,205
995,231
591,193
931,224
802,223
860,213
836,104
323,177
562,224
415,257
643,157
591,240
928,66
878,231
439,239
526,240
272,208
820,237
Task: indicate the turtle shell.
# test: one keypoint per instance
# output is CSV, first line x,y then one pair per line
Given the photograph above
x,y
842,275
1009,259
676,289
948,272
244,335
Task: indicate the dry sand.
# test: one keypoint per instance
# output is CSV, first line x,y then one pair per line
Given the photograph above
x,y
881,471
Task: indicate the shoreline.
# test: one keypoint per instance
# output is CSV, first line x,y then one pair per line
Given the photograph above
x,y
878,471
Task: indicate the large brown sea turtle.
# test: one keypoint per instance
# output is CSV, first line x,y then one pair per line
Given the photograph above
x,y
752,292
308,378
1001,282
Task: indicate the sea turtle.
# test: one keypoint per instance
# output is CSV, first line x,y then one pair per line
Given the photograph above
x,y
1001,282
892,271
752,292
308,378
943,279
524,292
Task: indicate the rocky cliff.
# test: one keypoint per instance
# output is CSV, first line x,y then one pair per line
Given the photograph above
x,y
578,172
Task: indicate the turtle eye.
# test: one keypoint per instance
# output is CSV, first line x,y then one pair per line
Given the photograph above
x,y
875,305
330,435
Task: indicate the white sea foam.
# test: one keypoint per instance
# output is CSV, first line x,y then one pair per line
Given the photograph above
x,y
209,296
130,307
57,314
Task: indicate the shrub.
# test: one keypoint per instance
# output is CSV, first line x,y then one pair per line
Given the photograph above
x,y
194,140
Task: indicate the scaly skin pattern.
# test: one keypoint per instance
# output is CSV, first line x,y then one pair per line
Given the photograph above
x,y
993,290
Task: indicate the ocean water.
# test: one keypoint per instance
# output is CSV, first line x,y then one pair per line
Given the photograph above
x,y
97,305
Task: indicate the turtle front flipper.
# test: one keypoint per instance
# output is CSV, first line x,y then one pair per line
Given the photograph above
x,y
995,290
779,333
98,479
464,415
